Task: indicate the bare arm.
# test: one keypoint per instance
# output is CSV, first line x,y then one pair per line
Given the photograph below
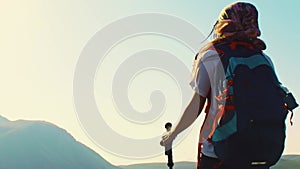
x,y
189,116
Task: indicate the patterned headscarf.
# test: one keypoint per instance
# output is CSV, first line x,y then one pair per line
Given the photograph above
x,y
239,21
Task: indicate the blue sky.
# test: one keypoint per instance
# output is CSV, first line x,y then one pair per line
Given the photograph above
x,y
41,42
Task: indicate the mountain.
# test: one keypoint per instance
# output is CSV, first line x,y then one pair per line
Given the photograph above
x,y
41,145
289,162
286,162
178,165
3,119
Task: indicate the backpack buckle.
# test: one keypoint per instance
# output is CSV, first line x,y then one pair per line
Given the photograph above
x,y
255,163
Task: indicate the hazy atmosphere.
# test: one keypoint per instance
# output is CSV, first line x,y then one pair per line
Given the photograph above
x,y
77,65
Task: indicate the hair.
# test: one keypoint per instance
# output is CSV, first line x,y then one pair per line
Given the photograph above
x,y
168,125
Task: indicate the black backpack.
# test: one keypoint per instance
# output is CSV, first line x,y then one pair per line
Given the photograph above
x,y
253,107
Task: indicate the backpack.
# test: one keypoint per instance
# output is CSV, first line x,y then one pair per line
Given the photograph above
x,y
252,109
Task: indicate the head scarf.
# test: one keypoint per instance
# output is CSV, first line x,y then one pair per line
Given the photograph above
x,y
239,21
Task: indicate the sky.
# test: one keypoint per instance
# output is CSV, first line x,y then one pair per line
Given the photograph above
x,y
43,44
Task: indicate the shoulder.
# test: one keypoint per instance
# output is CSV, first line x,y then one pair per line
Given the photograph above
x,y
268,59
209,55
266,56
166,133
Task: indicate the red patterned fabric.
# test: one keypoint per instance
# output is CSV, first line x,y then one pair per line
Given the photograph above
x,y
239,21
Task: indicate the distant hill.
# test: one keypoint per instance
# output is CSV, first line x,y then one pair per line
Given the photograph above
x,y
178,165
286,162
41,145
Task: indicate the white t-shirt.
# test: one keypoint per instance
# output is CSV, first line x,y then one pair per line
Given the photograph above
x,y
206,70
165,135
